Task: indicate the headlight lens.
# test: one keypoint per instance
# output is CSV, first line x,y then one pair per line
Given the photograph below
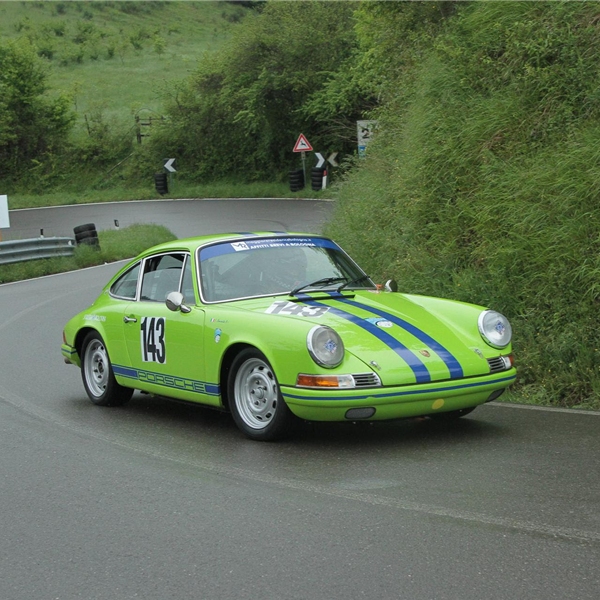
x,y
325,346
495,329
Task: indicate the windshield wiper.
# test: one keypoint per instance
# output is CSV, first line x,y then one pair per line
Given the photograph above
x,y
323,281
352,282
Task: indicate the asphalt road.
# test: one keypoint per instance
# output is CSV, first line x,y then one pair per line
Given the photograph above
x,y
158,500
185,218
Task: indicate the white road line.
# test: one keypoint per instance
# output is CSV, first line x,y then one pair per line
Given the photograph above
x,y
569,411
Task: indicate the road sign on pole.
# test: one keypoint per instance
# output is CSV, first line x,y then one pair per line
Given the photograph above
x,y
320,160
365,131
302,144
169,165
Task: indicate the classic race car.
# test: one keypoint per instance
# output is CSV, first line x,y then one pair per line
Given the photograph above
x,y
278,326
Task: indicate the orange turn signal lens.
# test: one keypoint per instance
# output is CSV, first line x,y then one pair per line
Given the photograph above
x,y
325,381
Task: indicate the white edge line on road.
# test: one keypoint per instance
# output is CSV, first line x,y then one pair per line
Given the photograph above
x,y
167,200
570,411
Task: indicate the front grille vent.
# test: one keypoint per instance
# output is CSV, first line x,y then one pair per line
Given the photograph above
x,y
498,363
366,380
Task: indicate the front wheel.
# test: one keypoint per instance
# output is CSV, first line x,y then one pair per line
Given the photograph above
x,y
97,374
256,404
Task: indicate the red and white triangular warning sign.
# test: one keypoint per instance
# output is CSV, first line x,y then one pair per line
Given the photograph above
x,y
302,144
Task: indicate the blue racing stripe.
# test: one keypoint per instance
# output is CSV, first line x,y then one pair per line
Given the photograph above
x,y
412,360
456,370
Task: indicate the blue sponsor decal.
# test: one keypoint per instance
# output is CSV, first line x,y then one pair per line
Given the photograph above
x,y
246,245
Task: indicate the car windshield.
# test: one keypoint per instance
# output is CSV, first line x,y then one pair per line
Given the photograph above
x,y
264,267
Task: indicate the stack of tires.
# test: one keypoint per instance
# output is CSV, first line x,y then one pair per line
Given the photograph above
x,y
316,177
86,234
161,183
296,180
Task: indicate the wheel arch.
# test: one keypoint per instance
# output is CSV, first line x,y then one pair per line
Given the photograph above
x,y
80,336
226,363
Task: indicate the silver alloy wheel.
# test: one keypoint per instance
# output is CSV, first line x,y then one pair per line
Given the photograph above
x,y
96,367
256,393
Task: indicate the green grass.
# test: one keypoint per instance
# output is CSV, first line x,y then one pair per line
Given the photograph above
x,y
178,190
114,245
114,62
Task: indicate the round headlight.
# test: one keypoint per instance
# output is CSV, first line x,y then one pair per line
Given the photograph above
x,y
495,329
325,346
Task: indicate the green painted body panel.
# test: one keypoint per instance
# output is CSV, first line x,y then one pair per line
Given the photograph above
x,y
427,352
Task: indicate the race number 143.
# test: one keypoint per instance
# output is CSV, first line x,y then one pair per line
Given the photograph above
x,y
153,340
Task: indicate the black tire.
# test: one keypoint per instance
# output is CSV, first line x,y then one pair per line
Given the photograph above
x,y
97,374
87,237
452,415
255,401
82,228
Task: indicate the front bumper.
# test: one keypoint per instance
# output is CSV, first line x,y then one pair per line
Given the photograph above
x,y
396,402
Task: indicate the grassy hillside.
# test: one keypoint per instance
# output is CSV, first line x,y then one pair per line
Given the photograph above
x,y
113,58
482,183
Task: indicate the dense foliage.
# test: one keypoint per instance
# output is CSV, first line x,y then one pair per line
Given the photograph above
x,y
240,113
32,127
483,182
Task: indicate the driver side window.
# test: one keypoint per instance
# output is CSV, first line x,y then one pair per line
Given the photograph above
x,y
162,274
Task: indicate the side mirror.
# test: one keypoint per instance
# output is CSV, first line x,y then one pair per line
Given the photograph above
x,y
174,302
391,286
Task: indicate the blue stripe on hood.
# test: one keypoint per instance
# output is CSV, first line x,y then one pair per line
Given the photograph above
x,y
456,371
414,362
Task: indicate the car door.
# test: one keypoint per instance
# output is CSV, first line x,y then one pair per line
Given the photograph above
x,y
165,347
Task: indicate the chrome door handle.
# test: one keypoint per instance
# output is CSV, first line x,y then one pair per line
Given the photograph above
x,y
129,320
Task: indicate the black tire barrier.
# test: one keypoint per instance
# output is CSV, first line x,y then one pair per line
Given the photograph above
x,y
87,234
161,183
296,180
82,228
316,178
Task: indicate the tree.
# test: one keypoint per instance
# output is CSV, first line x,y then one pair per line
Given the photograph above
x,y
240,112
31,126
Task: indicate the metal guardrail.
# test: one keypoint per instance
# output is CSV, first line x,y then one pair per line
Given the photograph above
x,y
33,249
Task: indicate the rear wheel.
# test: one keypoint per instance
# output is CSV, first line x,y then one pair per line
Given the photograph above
x,y
97,374
255,401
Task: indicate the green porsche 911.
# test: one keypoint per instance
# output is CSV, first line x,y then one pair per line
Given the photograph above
x,y
275,327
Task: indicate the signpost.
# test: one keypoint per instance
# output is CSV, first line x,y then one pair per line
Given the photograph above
x,y
4,217
365,131
169,162
303,145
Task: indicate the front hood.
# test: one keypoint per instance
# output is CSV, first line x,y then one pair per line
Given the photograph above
x,y
404,339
